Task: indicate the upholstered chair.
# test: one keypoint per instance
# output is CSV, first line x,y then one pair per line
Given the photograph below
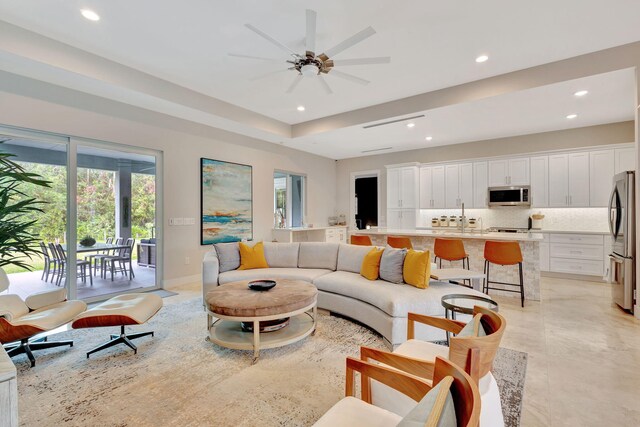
x,y
20,321
448,397
474,352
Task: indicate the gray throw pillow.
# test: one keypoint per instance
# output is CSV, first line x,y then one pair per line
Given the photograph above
x,y
228,255
391,264
467,331
420,414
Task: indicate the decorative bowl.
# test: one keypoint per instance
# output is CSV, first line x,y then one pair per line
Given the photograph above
x,y
87,242
261,285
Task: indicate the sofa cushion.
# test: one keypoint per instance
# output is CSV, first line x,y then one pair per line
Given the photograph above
x,y
394,299
52,316
12,307
417,268
436,408
371,264
350,257
228,255
391,264
252,257
281,255
318,255
307,274
351,411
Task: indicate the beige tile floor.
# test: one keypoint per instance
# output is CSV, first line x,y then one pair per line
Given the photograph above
x,y
584,356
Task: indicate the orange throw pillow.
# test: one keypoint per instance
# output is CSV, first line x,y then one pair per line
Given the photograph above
x,y
252,257
417,268
371,264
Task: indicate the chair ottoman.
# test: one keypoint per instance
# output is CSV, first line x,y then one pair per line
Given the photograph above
x,y
127,309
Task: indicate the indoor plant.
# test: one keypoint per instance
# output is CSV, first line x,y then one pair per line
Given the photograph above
x,y
17,241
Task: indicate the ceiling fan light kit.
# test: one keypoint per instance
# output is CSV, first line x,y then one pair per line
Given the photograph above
x,y
311,65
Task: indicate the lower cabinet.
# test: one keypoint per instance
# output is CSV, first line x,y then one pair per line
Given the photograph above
x,y
573,253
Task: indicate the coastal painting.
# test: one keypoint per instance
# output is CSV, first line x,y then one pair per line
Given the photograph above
x,y
225,202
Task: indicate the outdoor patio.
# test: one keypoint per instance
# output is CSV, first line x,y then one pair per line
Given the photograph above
x,y
27,283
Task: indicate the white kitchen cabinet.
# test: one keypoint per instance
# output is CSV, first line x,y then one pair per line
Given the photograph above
x,y
458,185
569,180
432,187
401,219
519,171
480,185
625,159
508,172
577,254
540,182
601,171
402,187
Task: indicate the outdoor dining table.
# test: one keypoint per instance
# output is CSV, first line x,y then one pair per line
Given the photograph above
x,y
97,247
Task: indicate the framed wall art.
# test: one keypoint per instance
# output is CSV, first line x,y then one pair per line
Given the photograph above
x,y
226,202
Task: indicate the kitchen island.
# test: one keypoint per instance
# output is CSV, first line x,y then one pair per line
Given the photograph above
x,y
473,240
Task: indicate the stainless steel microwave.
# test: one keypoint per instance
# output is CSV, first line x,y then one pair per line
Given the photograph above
x,y
510,196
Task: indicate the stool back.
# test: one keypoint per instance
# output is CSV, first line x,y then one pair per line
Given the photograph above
x,y
502,253
459,348
361,240
399,242
449,249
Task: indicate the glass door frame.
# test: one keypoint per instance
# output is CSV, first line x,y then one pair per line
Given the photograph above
x,y
72,144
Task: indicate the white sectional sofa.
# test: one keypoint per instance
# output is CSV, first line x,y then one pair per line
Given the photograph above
x,y
335,270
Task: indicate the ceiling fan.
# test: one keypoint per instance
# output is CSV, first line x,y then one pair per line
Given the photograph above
x,y
310,65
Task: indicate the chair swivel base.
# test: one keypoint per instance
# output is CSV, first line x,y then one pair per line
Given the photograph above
x,y
27,347
122,338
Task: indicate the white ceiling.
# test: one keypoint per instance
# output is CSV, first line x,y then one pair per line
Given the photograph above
x,y
610,99
432,45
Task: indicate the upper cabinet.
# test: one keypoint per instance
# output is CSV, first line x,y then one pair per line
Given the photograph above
x,y
508,172
601,171
458,185
480,185
402,187
540,181
569,180
432,187
625,159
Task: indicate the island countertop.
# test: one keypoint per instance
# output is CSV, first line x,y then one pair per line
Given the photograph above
x,y
468,234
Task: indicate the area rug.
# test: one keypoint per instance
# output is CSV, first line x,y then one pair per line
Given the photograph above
x,y
179,379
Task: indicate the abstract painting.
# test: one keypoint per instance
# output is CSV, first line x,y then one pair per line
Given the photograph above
x,y
225,202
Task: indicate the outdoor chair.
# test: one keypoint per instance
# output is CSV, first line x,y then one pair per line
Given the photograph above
x,y
118,263
81,266
94,258
48,261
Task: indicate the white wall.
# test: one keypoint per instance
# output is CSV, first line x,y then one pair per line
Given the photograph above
x,y
183,143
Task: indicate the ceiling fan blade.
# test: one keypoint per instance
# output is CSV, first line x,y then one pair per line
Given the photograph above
x,y
325,85
311,31
294,84
353,40
363,61
269,38
349,77
260,58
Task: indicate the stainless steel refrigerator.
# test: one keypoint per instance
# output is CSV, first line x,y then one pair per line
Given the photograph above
x,y
622,225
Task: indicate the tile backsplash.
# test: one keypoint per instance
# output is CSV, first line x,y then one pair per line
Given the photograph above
x,y
569,219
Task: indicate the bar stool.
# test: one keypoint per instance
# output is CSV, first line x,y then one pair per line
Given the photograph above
x,y
450,250
399,242
361,240
503,253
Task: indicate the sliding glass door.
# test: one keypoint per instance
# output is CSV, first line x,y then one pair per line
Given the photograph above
x,y
97,230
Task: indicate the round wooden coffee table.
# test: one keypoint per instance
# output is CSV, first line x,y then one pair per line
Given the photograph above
x,y
233,304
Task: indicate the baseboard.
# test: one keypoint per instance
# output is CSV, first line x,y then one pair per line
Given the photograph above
x,y
173,283
585,277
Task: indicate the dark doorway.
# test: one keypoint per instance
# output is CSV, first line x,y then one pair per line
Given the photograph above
x,y
366,202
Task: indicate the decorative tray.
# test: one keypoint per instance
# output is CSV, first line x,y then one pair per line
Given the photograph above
x,y
261,285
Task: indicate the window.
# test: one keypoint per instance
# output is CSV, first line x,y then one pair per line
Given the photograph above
x,y
289,196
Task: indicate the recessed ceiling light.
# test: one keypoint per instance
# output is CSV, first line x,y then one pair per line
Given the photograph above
x,y
429,138
581,93
572,116
90,14
410,125
300,108
482,58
